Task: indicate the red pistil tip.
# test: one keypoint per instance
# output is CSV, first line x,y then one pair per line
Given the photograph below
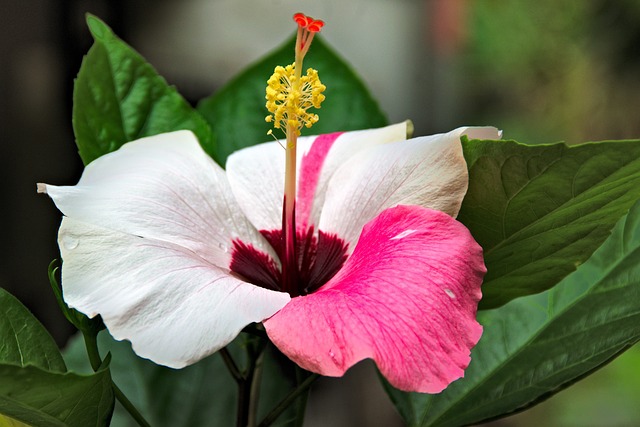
x,y
307,22
301,19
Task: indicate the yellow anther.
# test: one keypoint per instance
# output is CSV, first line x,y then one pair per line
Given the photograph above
x,y
289,99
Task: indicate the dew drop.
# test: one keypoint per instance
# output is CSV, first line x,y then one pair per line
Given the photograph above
x,y
223,247
69,242
450,293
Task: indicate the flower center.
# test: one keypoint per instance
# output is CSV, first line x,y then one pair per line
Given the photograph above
x,y
318,258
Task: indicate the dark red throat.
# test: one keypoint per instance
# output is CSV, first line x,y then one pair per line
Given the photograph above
x,y
319,257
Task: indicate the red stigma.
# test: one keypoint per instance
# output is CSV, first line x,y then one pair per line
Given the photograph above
x,y
301,19
315,26
307,22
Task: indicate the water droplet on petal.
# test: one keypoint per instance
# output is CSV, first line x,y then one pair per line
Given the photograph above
x,y
223,247
69,242
450,293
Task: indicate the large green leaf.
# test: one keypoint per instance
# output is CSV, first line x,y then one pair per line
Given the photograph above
x,y
541,211
237,111
535,346
189,397
119,97
35,388
40,398
23,340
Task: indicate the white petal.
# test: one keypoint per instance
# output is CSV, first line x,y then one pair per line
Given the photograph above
x,y
256,173
163,187
174,306
427,171
256,176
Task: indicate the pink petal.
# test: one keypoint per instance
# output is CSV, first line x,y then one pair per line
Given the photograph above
x,y
309,175
407,298
428,171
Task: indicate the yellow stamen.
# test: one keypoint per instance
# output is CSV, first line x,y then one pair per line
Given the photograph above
x,y
288,100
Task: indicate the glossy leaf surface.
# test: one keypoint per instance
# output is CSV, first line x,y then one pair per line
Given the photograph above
x,y
24,341
541,211
119,97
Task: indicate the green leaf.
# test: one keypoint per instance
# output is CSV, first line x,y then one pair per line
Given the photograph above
x,y
541,211
23,340
236,112
119,97
189,397
35,388
10,422
535,346
40,398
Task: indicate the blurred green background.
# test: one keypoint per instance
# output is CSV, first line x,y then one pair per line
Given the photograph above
x,y
543,71
555,69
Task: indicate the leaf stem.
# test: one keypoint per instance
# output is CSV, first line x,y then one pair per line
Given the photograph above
x,y
284,404
301,401
247,390
91,344
231,365
126,404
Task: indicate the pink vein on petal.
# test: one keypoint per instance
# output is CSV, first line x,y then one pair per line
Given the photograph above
x,y
310,169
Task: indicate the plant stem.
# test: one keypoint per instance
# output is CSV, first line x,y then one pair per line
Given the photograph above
x,y
284,404
231,365
254,394
91,344
244,396
301,402
249,384
126,404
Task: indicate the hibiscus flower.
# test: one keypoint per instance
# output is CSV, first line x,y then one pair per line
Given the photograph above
x,y
174,253
178,255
